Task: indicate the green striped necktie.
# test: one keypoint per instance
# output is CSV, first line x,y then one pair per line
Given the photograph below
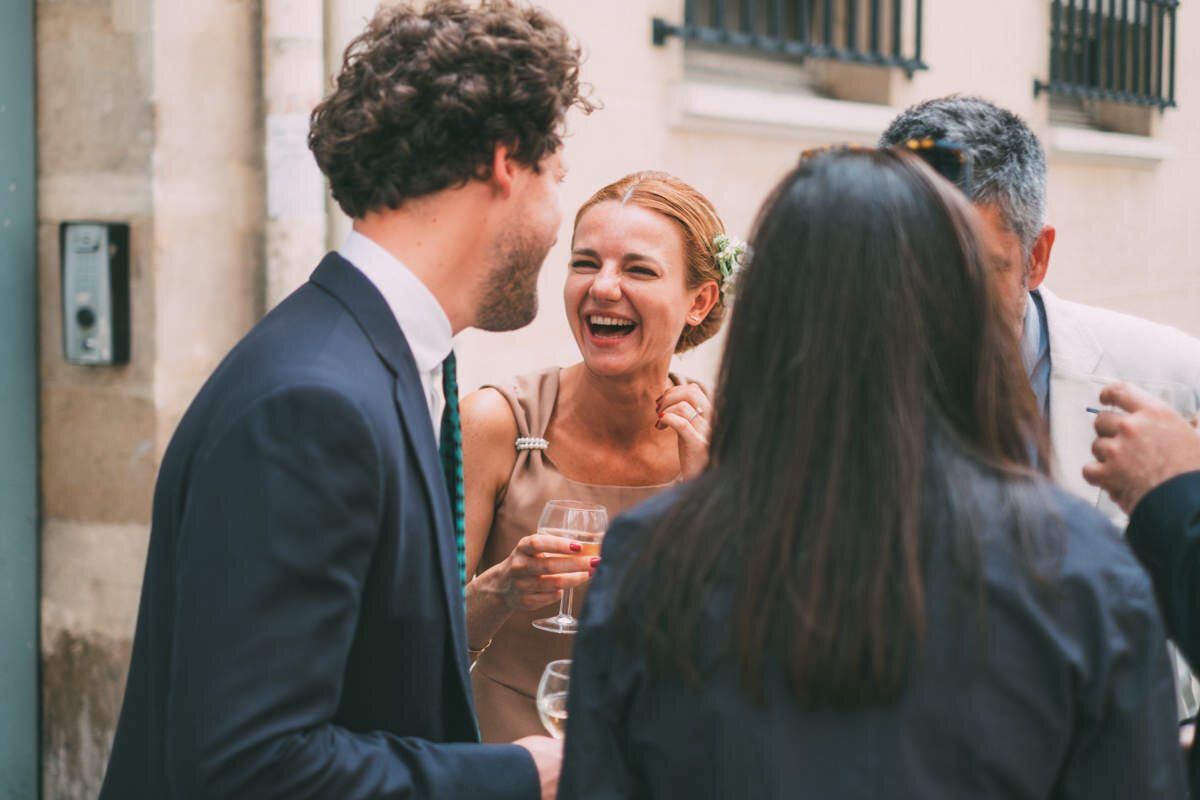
x,y
450,450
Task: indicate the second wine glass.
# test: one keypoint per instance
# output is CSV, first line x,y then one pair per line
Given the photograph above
x,y
580,522
552,696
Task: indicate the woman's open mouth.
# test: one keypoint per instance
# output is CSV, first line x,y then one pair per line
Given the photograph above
x,y
603,327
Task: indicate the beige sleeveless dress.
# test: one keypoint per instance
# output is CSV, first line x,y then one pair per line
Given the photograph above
x,y
505,677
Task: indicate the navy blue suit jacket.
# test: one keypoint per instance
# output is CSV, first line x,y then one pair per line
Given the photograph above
x,y
1164,530
301,630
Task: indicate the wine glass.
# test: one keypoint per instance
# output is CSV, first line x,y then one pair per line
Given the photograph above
x,y
580,522
552,696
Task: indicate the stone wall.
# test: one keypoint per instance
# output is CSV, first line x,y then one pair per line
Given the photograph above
x,y
96,145
148,115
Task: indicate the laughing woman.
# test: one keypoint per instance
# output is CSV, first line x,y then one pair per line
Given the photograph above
x,y
645,279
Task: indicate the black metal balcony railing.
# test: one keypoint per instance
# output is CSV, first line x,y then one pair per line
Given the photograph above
x,y
886,33
1118,50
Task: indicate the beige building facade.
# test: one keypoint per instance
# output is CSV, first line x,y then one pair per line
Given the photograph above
x,y
186,121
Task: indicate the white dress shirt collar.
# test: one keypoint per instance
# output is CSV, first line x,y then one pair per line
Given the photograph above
x,y
425,324
417,311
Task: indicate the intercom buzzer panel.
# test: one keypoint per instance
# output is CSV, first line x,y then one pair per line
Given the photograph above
x,y
95,292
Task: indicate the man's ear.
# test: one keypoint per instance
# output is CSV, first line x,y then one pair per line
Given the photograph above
x,y
503,169
1039,259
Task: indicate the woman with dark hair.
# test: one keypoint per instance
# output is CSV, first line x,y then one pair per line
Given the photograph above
x,y
646,280
869,592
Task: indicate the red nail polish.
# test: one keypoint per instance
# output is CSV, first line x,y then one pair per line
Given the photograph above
x,y
595,560
591,572
660,414
576,547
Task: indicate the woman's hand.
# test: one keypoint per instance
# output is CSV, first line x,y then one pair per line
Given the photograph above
x,y
535,572
686,410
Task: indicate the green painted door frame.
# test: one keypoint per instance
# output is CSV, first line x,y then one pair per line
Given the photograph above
x,y
19,648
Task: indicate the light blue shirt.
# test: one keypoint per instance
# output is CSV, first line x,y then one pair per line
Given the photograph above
x,y
1035,350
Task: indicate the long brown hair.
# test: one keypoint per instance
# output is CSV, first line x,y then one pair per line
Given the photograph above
x,y
866,358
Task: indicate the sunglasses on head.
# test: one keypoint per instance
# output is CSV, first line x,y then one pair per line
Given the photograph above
x,y
951,161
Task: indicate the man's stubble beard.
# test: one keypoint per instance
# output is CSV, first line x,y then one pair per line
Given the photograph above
x,y
510,296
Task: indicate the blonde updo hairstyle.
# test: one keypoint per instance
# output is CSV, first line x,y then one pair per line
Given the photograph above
x,y
698,222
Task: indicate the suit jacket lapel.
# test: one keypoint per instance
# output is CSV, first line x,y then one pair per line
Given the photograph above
x,y
414,415
1074,356
1071,430
362,300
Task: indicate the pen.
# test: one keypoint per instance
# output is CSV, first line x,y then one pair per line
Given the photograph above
x,y
1190,419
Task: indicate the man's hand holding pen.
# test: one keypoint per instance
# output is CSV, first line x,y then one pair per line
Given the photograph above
x,y
1139,444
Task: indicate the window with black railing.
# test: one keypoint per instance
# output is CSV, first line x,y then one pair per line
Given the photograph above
x,y
885,33
1120,51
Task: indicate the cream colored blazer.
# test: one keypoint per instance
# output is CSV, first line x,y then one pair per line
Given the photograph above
x,y
1089,349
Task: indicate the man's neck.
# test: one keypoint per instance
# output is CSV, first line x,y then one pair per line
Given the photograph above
x,y
442,240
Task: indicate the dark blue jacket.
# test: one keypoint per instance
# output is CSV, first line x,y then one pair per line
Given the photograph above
x,y
1164,530
301,630
1025,690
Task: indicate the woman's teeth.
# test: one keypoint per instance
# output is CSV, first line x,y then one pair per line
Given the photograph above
x,y
602,326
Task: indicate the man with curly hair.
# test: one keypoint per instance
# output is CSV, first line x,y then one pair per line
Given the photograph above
x,y
301,631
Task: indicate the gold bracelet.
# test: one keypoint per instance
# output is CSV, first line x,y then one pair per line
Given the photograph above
x,y
477,653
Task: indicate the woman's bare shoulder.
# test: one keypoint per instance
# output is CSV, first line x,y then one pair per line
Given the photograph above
x,y
487,418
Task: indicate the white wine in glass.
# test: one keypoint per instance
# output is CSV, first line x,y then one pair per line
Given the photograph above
x,y
580,522
552,696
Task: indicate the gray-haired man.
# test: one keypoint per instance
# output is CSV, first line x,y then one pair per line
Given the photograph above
x,y
1071,351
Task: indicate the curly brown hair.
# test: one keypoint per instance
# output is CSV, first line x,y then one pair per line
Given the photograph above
x,y
699,223
424,97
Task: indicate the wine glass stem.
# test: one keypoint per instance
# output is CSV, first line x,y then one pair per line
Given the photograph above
x,y
565,604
